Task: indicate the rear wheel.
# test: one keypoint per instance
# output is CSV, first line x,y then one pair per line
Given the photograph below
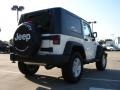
x,y
101,64
27,69
73,70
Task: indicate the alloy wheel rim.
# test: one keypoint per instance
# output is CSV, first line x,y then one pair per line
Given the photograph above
x,y
103,61
76,67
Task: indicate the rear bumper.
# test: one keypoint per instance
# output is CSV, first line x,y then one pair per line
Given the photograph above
x,y
46,59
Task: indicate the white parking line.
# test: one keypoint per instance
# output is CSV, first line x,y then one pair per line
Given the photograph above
x,y
93,88
5,71
101,79
106,80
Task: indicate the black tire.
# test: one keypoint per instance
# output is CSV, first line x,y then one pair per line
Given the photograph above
x,y
27,39
69,69
101,64
27,69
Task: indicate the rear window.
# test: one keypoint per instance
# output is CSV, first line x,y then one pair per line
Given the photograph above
x,y
40,20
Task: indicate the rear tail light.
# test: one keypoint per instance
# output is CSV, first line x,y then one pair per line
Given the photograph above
x,y
56,39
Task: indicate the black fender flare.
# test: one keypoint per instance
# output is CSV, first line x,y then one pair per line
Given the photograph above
x,y
70,45
100,51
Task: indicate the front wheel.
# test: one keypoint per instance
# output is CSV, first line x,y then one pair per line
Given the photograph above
x,y
101,64
27,69
73,70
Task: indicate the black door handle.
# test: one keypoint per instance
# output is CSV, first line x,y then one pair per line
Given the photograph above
x,y
86,39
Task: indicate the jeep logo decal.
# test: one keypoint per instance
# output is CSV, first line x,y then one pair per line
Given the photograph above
x,y
25,37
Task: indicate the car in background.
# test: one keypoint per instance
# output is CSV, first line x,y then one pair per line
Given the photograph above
x,y
4,47
112,48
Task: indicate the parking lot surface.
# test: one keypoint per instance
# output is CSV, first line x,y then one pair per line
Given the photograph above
x,y
12,79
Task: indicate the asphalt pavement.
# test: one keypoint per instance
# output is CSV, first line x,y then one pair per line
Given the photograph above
x,y
12,79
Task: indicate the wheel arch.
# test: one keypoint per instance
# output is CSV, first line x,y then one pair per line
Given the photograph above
x,y
100,50
74,46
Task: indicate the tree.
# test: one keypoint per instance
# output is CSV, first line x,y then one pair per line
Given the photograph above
x,y
101,42
11,42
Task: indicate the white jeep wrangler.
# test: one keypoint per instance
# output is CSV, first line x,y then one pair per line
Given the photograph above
x,y
56,38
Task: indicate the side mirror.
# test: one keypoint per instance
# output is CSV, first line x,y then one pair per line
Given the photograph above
x,y
94,34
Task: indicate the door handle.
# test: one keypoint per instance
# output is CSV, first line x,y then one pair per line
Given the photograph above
x,y
86,39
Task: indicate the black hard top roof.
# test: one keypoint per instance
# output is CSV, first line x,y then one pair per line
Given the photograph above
x,y
50,9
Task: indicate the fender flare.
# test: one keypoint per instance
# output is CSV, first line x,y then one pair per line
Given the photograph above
x,y
99,52
70,45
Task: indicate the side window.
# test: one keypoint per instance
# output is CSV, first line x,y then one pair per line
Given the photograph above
x,y
86,30
71,25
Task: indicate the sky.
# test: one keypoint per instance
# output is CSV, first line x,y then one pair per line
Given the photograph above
x,y
105,12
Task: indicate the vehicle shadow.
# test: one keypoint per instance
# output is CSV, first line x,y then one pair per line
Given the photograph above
x,y
47,82
98,79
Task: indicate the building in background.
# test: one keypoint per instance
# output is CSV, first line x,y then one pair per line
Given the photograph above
x,y
118,42
112,45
